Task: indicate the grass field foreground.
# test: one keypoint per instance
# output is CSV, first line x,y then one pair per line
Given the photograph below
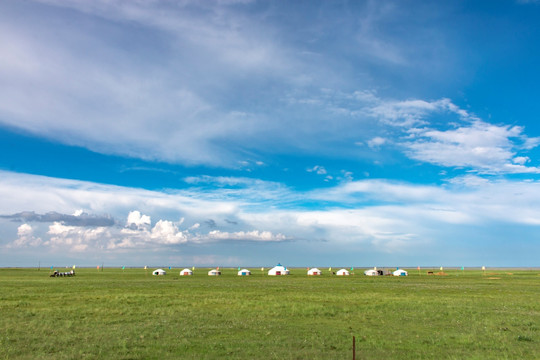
x,y
130,314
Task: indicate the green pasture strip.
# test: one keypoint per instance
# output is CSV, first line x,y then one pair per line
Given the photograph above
x,y
130,314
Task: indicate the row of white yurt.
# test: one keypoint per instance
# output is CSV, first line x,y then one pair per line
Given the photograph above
x,y
282,270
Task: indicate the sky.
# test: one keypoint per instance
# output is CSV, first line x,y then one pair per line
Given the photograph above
x,y
247,133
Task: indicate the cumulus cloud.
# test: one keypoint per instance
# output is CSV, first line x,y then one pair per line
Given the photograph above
x,y
137,221
25,237
76,238
165,232
138,233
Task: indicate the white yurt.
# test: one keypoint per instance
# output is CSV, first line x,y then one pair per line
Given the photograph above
x,y
159,272
244,272
278,270
186,272
371,272
343,272
400,272
314,271
214,272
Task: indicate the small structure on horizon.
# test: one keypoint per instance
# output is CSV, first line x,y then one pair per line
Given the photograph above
x,y
371,272
314,272
400,272
343,272
244,272
186,272
159,272
214,272
278,270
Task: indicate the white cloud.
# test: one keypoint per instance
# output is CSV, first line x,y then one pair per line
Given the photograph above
x,y
76,238
376,142
409,113
25,237
78,212
521,160
65,238
320,170
470,181
480,145
165,232
137,220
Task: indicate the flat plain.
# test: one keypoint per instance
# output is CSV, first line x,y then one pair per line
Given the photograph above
x,y
130,314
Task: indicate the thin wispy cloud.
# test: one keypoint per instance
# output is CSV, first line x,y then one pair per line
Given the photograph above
x,y
150,106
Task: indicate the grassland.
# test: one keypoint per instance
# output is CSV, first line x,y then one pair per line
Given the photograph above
x,y
131,314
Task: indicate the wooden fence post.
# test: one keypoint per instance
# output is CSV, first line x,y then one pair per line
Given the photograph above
x,y
353,348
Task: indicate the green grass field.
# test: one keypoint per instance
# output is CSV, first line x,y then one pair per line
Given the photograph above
x,y
131,314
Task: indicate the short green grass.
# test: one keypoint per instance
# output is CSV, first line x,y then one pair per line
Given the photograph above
x,y
130,314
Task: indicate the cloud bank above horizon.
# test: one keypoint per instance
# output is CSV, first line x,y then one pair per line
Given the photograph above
x,y
382,216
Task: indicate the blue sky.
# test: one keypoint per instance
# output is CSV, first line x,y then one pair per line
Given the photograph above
x,y
246,133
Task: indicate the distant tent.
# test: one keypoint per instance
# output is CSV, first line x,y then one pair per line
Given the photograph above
x,y
400,272
371,272
244,272
159,272
314,271
343,272
278,270
186,272
214,272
